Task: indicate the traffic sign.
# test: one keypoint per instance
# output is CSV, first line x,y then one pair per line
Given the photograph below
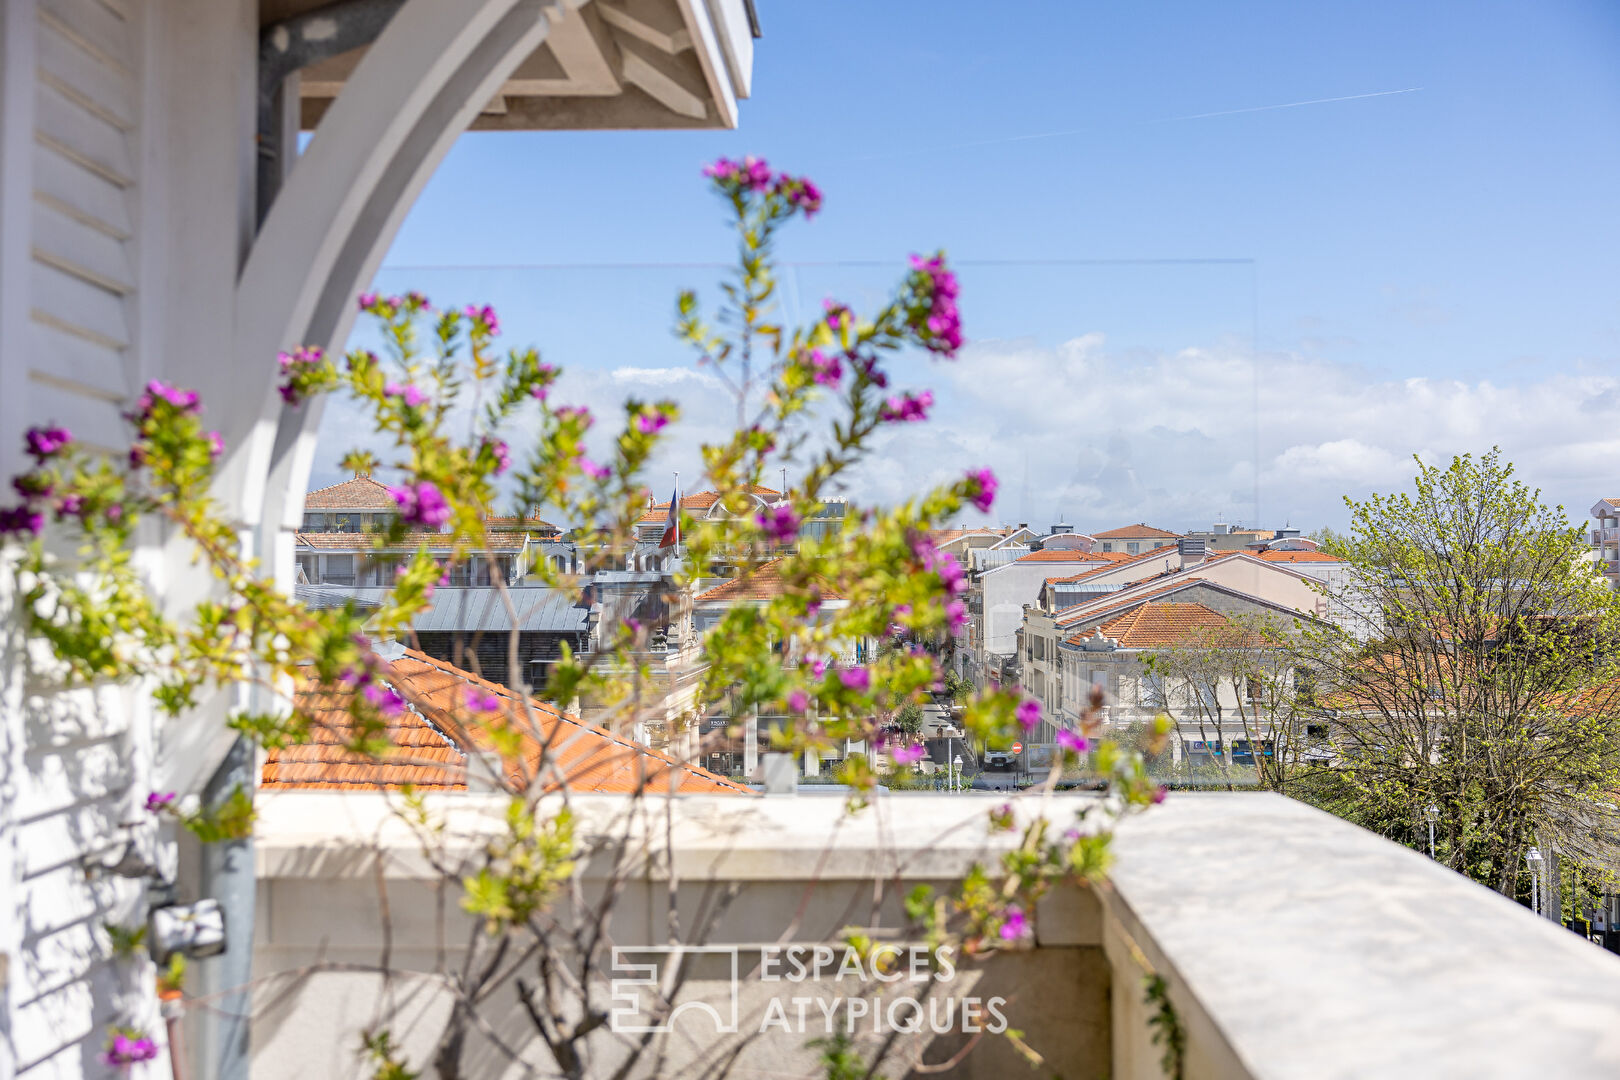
x,y
1018,748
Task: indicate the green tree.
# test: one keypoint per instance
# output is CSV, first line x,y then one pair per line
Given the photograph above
x,y
1470,668
1230,683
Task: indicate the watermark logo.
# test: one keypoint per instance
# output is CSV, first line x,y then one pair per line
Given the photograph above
x,y
653,973
803,989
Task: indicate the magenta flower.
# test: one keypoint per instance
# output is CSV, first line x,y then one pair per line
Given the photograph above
x,y
483,319
126,1050
1028,713
755,173
825,370
780,523
907,407
801,192
936,319
502,453
298,366
418,301
818,668
159,801
857,679
1159,793
956,614
184,400
32,486
1014,924
422,504
908,755
576,413
479,701
69,505
982,483
1073,741
593,470
751,173
216,444
383,699
408,392
650,421
21,519
838,315
798,701
47,442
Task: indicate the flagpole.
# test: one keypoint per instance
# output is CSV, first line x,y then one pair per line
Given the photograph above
x,y
677,509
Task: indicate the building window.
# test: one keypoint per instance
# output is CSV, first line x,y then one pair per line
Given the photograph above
x,y
339,570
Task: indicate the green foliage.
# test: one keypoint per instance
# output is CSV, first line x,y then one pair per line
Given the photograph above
x,y
126,941
230,820
526,868
1166,1026
172,979
838,1058
1472,669
379,1051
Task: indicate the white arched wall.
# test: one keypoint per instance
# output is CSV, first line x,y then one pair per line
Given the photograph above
x,y
417,89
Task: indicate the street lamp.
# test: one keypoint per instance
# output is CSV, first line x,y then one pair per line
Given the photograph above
x,y
1432,812
1533,858
958,764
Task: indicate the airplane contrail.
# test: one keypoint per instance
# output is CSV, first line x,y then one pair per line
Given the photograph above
x,y
1291,104
1004,139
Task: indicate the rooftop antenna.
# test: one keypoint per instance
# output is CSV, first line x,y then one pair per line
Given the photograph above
x,y
1023,494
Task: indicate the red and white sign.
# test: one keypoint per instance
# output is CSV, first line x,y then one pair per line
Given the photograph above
x,y
1018,748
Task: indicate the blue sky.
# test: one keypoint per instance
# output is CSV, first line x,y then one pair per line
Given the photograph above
x,y
1428,271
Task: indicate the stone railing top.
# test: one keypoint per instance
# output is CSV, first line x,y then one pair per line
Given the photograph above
x,y
1310,947
1321,950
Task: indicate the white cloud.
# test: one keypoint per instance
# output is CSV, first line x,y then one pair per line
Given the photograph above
x,y
1107,437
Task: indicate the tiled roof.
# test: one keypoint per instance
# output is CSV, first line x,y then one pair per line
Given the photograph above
x,y
699,500
1158,624
1110,559
764,582
1612,502
366,541
1063,555
1138,531
432,739
1296,556
361,493
533,523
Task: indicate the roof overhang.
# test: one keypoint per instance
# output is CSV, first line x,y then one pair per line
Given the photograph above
x,y
605,64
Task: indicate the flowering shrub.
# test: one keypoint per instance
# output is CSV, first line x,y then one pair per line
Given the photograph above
x,y
814,395
126,1047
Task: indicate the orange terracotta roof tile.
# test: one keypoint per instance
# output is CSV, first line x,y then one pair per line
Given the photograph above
x,y
361,493
1138,531
367,541
1064,555
699,500
1157,624
1296,556
764,582
434,736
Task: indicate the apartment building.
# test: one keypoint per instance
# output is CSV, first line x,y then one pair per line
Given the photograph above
x,y
1605,539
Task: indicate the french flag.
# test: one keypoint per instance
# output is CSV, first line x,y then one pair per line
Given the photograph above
x,y
672,524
